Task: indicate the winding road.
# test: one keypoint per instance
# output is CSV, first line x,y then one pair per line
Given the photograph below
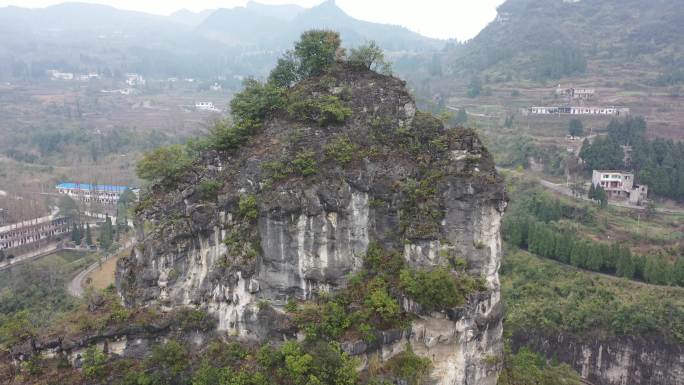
x,y
564,190
76,286
35,254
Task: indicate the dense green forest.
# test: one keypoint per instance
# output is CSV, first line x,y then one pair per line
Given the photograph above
x,y
33,295
543,39
657,163
545,226
548,297
42,144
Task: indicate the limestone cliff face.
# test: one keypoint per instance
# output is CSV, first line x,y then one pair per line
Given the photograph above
x,y
613,361
312,232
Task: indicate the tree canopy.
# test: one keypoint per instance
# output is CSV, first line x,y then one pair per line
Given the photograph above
x,y
576,128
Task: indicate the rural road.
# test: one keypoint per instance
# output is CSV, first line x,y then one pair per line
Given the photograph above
x,y
18,260
562,189
76,285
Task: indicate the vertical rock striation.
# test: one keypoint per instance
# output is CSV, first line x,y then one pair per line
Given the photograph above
x,y
613,361
311,233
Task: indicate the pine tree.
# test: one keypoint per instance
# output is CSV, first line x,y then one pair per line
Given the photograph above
x,y
106,234
76,234
513,231
575,128
612,258
601,196
657,271
639,262
625,265
592,192
594,259
461,117
564,247
88,235
577,254
678,272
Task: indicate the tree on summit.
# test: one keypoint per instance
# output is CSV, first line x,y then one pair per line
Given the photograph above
x,y
315,51
370,56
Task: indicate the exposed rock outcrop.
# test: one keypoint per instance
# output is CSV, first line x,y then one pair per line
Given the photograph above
x,y
614,361
311,232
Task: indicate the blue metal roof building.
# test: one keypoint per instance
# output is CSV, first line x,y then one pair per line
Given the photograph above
x,y
91,187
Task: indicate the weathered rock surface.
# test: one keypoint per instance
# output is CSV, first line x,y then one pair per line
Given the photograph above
x,y
613,361
312,232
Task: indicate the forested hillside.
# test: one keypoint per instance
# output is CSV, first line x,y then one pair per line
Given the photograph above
x,y
547,39
240,41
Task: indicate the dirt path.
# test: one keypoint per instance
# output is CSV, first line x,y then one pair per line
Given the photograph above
x,y
564,190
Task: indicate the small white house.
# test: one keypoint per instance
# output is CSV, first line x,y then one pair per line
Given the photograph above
x,y
58,75
133,80
205,106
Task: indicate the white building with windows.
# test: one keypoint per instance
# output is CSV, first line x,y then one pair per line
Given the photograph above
x,y
578,110
620,185
91,193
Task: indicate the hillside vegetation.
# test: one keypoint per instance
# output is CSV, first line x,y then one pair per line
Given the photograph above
x,y
548,39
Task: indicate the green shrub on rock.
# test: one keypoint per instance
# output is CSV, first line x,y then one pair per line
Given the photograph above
x,y
341,150
409,367
209,189
433,290
190,319
248,207
165,164
324,110
305,163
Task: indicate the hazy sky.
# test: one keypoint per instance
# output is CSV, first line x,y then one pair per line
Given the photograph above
x,y
461,19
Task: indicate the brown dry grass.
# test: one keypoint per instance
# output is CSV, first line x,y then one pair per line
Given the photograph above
x,y
103,276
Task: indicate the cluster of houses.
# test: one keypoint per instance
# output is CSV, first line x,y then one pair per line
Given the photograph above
x,y
576,96
131,79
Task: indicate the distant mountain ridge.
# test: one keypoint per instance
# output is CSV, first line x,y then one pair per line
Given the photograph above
x,y
187,17
255,23
279,25
533,36
221,43
77,16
